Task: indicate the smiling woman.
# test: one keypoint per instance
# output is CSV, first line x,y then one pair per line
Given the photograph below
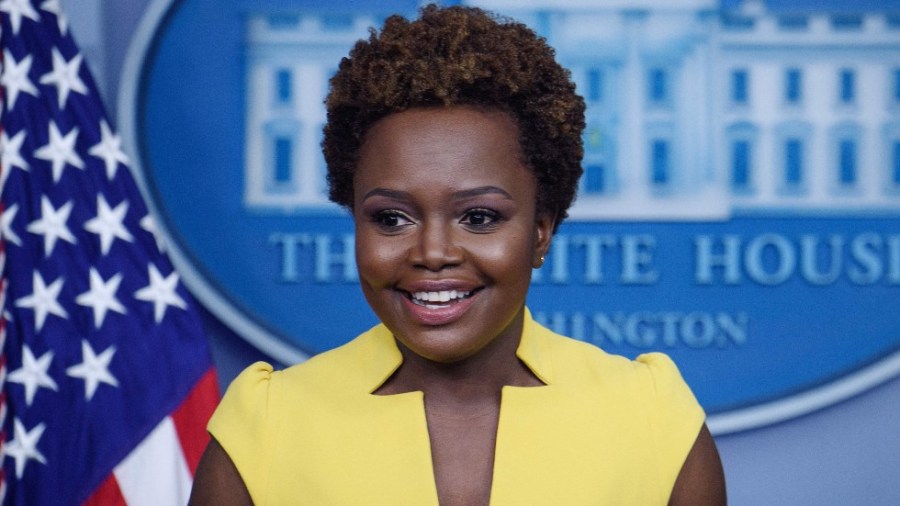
x,y
455,141
443,203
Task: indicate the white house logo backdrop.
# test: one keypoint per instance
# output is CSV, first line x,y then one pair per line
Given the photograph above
x,y
740,207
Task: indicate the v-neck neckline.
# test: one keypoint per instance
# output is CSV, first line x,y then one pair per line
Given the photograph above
x,y
383,357
516,402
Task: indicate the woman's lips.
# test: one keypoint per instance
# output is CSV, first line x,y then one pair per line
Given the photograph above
x,y
431,312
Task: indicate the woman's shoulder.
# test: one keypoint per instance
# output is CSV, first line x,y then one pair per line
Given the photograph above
x,y
260,399
579,361
357,366
255,378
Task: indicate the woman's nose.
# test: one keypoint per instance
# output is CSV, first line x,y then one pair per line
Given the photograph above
x,y
436,247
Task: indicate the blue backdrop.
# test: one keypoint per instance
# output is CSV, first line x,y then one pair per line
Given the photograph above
x,y
772,329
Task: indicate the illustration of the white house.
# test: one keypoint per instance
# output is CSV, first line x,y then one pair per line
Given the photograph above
x,y
695,111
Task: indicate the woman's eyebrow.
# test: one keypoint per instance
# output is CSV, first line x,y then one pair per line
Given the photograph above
x,y
458,195
384,192
481,190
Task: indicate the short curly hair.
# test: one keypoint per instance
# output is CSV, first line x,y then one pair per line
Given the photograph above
x,y
459,56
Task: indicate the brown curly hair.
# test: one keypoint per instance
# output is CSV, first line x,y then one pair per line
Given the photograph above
x,y
459,56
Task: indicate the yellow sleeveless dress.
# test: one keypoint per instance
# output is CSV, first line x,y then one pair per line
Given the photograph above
x,y
602,430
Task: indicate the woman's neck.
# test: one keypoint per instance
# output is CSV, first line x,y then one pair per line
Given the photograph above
x,y
469,381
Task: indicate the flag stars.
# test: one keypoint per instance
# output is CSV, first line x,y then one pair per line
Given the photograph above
x,y
52,224
109,150
60,151
149,224
58,156
53,7
6,221
43,300
33,374
94,369
11,155
23,446
108,224
15,78
161,292
17,10
65,77
102,296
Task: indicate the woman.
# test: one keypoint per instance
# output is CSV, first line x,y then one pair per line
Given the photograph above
x,y
455,141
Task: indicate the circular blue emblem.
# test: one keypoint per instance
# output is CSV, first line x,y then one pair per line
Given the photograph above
x,y
739,209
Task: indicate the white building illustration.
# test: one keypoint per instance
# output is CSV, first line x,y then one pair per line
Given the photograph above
x,y
695,112
290,59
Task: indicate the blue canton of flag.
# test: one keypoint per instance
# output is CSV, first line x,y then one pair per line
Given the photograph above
x,y
107,379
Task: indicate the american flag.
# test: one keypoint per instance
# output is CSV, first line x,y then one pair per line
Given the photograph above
x,y
107,378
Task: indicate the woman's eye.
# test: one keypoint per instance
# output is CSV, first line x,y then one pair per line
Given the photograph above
x,y
391,219
480,218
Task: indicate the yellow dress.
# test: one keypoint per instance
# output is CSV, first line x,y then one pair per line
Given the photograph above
x,y
602,430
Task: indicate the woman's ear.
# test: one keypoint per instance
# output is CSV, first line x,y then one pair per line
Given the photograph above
x,y
544,226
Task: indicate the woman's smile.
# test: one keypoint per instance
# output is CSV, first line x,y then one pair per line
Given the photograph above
x,y
447,230
439,308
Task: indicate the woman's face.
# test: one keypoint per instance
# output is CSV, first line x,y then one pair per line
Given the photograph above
x,y
446,229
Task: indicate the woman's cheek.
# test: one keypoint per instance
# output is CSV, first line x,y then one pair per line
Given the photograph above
x,y
379,259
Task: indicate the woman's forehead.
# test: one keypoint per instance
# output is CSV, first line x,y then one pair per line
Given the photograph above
x,y
453,148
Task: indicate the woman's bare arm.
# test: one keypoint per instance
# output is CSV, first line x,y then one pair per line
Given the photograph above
x,y
701,481
217,480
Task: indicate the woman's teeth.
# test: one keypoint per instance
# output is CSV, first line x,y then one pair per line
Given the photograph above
x,y
423,298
